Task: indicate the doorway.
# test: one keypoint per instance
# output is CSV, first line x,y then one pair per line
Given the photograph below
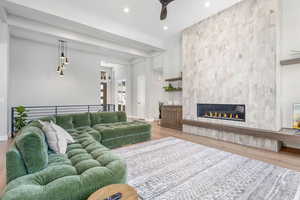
x,y
103,93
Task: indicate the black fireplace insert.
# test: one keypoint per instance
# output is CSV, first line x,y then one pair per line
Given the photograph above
x,y
232,112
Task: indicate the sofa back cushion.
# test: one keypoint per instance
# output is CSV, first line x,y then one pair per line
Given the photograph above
x,y
65,121
96,118
122,117
33,148
107,117
15,167
37,124
82,119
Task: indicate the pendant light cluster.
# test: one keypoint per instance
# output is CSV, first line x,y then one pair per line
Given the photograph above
x,y
63,57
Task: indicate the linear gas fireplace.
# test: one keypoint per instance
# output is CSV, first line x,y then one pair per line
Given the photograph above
x,y
222,111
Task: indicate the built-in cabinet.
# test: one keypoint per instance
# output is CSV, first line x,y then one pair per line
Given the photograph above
x,y
171,117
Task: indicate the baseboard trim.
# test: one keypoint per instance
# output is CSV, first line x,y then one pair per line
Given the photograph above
x,y
149,119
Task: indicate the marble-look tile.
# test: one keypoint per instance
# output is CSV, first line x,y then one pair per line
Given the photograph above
x,y
230,58
262,143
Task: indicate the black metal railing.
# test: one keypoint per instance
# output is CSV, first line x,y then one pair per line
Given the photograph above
x,y
36,112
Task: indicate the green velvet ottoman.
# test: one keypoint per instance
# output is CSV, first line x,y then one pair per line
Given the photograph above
x,y
115,135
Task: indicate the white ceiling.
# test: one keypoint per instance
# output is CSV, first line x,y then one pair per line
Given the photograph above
x,y
141,24
101,26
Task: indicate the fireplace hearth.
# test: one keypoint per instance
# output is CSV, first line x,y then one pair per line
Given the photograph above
x,y
232,112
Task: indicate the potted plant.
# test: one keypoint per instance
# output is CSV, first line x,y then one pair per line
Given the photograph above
x,y
21,118
169,88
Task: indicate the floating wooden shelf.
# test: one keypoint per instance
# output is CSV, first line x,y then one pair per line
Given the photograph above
x,y
174,90
174,79
290,61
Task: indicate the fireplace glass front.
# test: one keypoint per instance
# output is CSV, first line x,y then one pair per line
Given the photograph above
x,y
232,112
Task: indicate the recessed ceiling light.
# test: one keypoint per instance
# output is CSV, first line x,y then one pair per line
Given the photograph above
x,y
166,28
126,10
207,4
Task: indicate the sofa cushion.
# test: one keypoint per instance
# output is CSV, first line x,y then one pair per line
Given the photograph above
x,y
65,121
82,119
15,167
49,119
122,116
87,167
109,117
96,118
62,132
33,148
93,132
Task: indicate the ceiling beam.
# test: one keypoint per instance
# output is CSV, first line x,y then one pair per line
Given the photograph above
x,y
72,36
109,56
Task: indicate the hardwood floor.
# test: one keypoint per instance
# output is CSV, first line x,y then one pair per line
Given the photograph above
x,y
4,146
287,158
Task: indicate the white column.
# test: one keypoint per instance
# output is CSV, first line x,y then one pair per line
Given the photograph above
x,y
4,67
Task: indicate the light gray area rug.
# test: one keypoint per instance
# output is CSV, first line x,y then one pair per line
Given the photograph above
x,y
170,169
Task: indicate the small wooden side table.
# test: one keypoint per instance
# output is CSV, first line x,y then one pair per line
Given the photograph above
x,y
128,192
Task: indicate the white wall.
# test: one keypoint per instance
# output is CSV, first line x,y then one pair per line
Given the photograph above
x,y
156,70
34,81
173,58
154,90
138,69
4,71
172,68
290,40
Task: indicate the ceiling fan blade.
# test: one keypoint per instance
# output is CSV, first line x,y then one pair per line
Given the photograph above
x,y
164,11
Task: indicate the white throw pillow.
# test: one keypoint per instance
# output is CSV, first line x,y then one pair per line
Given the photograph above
x,y
59,130
56,142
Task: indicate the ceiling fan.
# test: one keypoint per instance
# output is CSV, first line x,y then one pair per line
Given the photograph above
x,y
164,11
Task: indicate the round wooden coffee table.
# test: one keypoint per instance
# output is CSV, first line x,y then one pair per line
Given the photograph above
x,y
128,192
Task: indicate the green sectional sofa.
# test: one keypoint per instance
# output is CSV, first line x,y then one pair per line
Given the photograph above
x,y
35,172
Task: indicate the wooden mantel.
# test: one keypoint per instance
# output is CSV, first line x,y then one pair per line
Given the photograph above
x,y
294,139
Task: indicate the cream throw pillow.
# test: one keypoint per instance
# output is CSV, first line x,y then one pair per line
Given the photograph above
x,y
62,132
56,142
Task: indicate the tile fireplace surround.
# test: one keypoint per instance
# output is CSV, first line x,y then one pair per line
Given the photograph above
x,y
257,142
230,58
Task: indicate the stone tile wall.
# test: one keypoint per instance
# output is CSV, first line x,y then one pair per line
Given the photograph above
x,y
230,58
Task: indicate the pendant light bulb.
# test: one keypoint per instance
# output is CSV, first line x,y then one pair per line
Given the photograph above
x,y
62,56
67,61
58,69
61,74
